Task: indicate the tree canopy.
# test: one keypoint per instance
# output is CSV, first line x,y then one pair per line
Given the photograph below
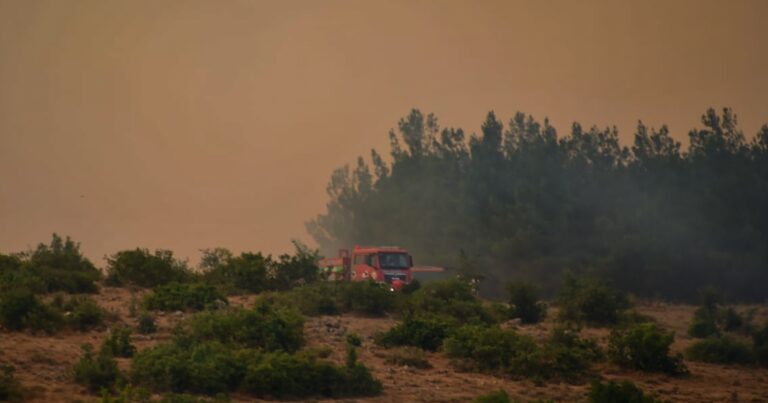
x,y
524,203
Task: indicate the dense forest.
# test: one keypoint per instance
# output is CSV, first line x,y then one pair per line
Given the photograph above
x,y
522,203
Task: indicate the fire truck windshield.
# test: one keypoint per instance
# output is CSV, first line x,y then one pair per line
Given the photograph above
x,y
393,260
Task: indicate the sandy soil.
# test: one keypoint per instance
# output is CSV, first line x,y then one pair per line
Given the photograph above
x,y
43,363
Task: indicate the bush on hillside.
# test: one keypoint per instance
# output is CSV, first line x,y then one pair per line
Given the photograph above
x,y
711,318
183,296
592,302
280,375
731,320
566,355
83,313
491,349
96,371
720,350
12,276
212,367
264,326
10,388
292,270
146,324
141,268
58,266
247,273
187,398
618,392
645,347
118,342
365,297
702,325
524,303
21,309
426,332
62,267
499,396
704,322
311,299
207,367
354,339
486,349
332,298
760,342
255,272
453,298
408,356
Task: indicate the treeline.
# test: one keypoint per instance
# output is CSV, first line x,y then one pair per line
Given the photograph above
x,y
522,203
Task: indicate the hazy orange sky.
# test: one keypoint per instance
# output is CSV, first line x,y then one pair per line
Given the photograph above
x,y
192,124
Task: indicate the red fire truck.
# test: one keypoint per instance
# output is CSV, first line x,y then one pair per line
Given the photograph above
x,y
389,265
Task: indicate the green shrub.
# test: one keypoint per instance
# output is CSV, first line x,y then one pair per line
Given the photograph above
x,y
731,320
141,268
354,339
207,367
255,273
500,396
212,367
118,342
96,372
591,302
83,313
365,297
280,375
146,324
760,341
185,398
491,349
10,388
125,393
566,355
264,326
312,299
13,275
645,347
60,266
614,392
711,318
292,270
331,298
408,356
183,296
245,273
453,298
486,349
721,350
524,303
411,287
633,317
21,309
427,332
704,322
133,306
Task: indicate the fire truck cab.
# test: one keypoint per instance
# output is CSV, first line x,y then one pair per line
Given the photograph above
x,y
383,264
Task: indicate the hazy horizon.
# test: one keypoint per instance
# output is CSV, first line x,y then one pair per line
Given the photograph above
x,y
192,124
